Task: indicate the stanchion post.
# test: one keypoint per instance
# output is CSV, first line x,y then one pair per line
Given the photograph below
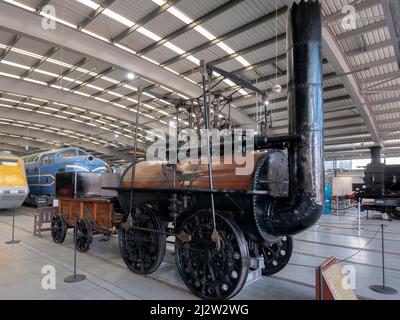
x,y
13,228
337,205
383,288
75,277
359,214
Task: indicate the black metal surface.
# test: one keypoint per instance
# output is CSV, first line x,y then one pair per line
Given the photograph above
x,y
382,183
142,250
276,255
58,228
208,272
84,235
304,205
86,184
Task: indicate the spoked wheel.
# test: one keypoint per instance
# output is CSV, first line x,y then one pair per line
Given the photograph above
x,y
84,235
142,250
58,228
277,255
209,272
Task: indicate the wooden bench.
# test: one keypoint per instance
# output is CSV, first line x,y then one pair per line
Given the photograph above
x,y
43,216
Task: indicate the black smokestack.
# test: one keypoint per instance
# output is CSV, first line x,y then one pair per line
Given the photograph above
x,y
305,98
376,154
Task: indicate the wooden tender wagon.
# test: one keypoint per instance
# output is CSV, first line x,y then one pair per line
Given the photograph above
x,y
89,215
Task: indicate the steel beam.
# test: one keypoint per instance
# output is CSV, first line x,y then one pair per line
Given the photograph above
x,y
41,5
69,71
386,101
147,18
26,23
47,120
228,35
373,64
94,78
16,150
29,24
337,59
39,62
362,30
11,44
199,21
51,94
369,48
381,77
392,15
42,135
94,14
359,6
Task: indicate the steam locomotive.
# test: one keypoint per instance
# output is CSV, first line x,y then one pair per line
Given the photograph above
x,y
219,229
382,186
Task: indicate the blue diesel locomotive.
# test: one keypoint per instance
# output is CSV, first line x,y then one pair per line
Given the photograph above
x,y
41,169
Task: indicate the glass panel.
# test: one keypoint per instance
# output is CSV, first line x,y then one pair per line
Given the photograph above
x,y
68,153
8,162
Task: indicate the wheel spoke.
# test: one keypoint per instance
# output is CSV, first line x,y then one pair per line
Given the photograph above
x,y
204,271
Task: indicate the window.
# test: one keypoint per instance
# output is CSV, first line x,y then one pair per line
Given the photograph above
x,y
47,159
68,153
82,152
8,162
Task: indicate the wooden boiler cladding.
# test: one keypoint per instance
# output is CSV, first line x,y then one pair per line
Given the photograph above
x,y
151,174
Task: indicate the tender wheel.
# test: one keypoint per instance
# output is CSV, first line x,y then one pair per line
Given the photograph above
x,y
208,272
277,255
58,228
142,250
84,235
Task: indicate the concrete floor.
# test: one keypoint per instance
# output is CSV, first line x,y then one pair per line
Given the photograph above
x,y
108,278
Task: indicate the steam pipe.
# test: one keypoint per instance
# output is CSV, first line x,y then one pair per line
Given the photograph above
x,y
304,205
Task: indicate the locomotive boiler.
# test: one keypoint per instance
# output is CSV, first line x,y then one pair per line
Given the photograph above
x,y
382,186
220,227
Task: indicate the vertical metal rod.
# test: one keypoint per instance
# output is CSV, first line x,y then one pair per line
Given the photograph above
x,y
207,127
359,214
383,257
337,205
75,251
13,226
133,175
12,241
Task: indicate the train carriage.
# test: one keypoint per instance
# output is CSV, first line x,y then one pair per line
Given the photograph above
x,y
13,184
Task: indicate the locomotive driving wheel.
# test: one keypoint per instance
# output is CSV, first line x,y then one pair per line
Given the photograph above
x,y
84,235
142,250
209,270
58,228
277,255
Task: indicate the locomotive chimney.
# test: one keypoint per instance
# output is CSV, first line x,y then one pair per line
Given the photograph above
x,y
305,98
376,154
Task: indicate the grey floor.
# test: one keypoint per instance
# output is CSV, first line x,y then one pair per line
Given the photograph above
x,y
108,278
